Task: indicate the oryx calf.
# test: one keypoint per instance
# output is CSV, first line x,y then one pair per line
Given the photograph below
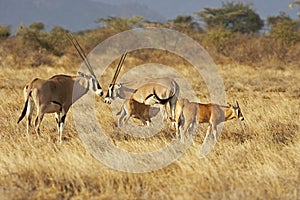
x,y
132,108
189,114
56,95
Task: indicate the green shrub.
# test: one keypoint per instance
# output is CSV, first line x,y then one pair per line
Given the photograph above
x,y
4,31
285,32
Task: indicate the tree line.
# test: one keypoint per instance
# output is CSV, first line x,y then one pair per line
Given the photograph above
x,y
219,29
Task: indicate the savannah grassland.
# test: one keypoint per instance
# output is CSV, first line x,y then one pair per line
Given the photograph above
x,y
256,159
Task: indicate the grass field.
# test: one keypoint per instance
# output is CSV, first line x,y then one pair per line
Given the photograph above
x,y
256,160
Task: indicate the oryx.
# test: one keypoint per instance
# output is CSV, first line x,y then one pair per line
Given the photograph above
x,y
188,114
58,93
132,108
149,91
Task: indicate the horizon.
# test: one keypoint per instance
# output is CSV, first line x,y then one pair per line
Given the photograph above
x,y
83,14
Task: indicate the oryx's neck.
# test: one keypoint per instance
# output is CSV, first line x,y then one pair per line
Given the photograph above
x,y
229,114
81,87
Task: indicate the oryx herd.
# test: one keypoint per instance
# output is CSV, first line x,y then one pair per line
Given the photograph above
x,y
58,93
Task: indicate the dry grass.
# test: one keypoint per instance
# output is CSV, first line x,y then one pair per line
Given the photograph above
x,y
259,160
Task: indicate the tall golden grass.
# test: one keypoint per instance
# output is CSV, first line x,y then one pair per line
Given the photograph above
x,y
256,160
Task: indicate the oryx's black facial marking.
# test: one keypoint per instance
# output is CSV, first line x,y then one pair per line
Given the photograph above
x,y
94,83
110,91
63,118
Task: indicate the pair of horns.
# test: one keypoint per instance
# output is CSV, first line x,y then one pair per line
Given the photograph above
x,y
87,63
113,82
81,53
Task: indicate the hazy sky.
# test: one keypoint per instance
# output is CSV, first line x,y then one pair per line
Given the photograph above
x,y
172,8
81,14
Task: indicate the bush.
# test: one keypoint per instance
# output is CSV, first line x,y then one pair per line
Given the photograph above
x,y
285,32
218,39
4,32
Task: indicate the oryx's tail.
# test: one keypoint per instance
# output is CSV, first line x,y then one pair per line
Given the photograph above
x,y
25,106
161,101
24,111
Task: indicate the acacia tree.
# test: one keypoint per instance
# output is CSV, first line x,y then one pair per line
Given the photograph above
x,y
121,24
237,17
185,23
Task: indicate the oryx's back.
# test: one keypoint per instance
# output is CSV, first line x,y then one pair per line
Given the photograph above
x,y
56,89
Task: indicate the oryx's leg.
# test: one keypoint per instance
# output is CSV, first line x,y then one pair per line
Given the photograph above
x,y
146,116
177,129
208,129
172,103
29,112
180,126
57,118
62,123
211,132
186,129
214,132
148,123
164,112
144,121
124,112
191,129
38,121
126,118
179,122
121,119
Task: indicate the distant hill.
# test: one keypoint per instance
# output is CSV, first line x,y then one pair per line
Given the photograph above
x,y
73,15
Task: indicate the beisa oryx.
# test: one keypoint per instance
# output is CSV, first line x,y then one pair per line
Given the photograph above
x,y
188,114
58,93
148,91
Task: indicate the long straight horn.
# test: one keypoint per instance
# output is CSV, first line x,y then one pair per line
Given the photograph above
x,y
237,104
84,58
119,68
81,53
108,97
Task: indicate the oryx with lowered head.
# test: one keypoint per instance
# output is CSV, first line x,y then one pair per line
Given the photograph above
x,y
188,114
149,91
58,93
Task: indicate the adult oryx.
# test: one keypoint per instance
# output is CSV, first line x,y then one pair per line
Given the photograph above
x,y
56,95
188,114
148,91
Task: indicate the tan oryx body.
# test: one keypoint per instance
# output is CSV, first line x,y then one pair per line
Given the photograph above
x,y
148,91
56,95
132,108
188,114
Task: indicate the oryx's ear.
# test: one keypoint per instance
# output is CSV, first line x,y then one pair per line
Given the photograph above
x,y
229,104
81,74
118,85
